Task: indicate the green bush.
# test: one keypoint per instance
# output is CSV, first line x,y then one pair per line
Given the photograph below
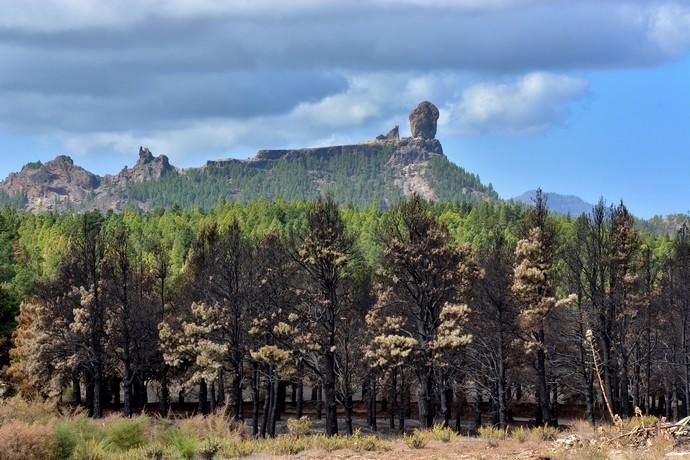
x,y
210,447
520,434
66,439
442,433
328,443
544,433
124,435
299,428
492,435
181,443
153,451
361,443
417,440
90,449
287,445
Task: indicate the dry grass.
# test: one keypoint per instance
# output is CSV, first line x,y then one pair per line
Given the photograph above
x,y
36,431
24,441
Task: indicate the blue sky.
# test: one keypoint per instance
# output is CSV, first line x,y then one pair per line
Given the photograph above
x,y
588,98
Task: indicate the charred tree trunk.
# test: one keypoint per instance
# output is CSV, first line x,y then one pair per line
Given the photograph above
x,y
165,393
300,391
203,397
542,385
76,390
255,399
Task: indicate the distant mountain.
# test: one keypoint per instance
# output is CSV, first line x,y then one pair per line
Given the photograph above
x,y
380,171
563,204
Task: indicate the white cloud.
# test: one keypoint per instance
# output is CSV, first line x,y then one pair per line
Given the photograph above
x,y
670,28
208,76
526,105
370,105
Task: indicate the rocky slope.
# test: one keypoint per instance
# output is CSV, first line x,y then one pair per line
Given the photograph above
x,y
380,170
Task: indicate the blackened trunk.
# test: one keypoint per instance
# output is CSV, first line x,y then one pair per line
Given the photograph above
x,y
76,390
267,408
273,415
426,399
348,414
300,392
625,390
212,400
165,394
674,401
331,410
89,397
393,396
127,396
542,386
319,402
115,390
281,399
255,400
236,395
372,389
98,394
501,386
203,397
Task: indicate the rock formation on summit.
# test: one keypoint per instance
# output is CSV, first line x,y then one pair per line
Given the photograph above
x,y
392,135
379,170
423,120
148,167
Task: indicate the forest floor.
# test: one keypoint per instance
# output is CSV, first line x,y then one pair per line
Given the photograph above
x,y
34,430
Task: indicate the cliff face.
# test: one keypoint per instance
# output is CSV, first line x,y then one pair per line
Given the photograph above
x,y
53,185
60,184
379,170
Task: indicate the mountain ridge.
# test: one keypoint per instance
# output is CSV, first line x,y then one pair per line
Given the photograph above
x,y
381,171
561,203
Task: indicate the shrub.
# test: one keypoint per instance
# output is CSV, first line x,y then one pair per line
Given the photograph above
x,y
589,452
520,434
210,447
416,440
492,434
328,443
287,445
544,433
126,434
181,443
66,439
86,428
23,441
299,428
443,433
239,448
17,408
205,425
90,449
153,451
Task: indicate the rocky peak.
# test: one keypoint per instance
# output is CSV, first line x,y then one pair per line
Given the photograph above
x,y
61,161
145,155
392,135
147,167
423,120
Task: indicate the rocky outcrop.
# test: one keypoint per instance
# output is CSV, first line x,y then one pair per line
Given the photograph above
x,y
392,135
56,184
60,184
409,163
147,167
423,120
